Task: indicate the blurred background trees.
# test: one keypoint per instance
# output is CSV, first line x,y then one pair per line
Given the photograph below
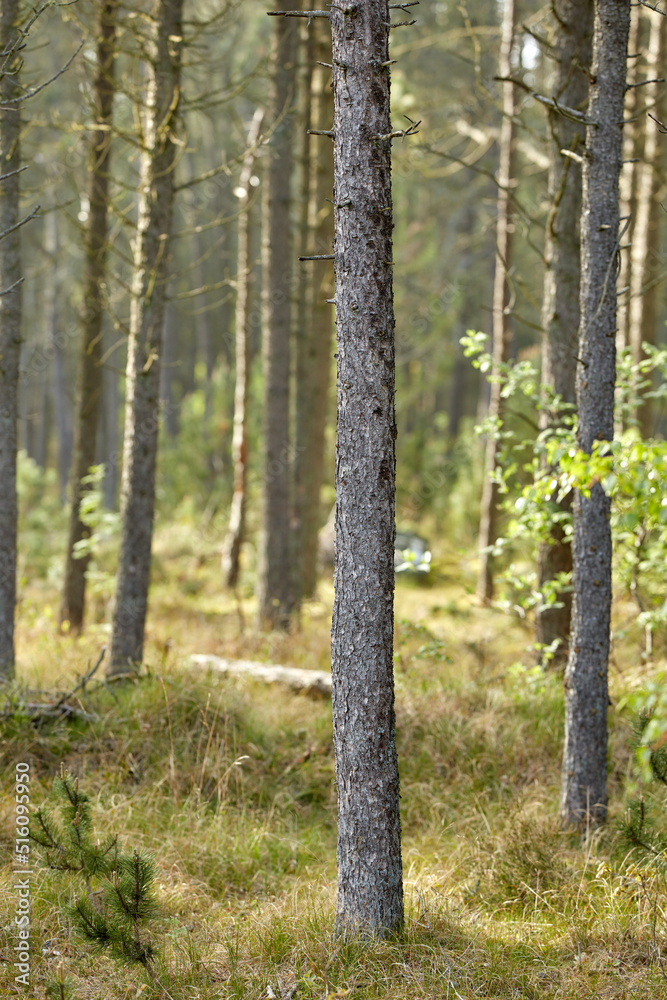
x,y
447,181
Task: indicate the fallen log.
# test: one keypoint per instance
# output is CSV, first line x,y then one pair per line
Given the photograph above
x,y
314,682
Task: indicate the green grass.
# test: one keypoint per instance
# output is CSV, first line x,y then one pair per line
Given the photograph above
x,y
231,786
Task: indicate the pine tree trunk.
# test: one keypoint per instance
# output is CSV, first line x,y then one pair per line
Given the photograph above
x,y
274,583
488,527
109,445
560,315
584,779
231,553
90,377
628,182
644,251
59,380
370,890
10,327
315,345
145,340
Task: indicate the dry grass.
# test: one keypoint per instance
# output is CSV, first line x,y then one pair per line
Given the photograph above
x,y
231,786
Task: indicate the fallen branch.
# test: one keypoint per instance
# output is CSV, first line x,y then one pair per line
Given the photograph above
x,y
316,682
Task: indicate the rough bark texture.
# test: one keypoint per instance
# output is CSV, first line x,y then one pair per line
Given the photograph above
x,y
89,389
572,49
584,779
274,582
145,341
10,328
644,252
231,552
315,343
370,891
488,527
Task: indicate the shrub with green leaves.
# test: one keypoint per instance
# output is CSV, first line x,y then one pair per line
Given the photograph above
x,y
536,472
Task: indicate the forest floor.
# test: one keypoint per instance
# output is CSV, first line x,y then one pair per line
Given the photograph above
x,y
230,785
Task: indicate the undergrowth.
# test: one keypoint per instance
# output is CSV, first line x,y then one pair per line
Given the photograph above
x,y
229,786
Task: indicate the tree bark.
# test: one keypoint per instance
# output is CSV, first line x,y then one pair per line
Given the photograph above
x,y
572,49
315,343
584,777
58,380
90,379
628,181
274,582
488,527
145,341
644,251
370,890
231,553
10,325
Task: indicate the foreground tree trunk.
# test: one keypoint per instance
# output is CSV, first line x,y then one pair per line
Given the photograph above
x,y
145,341
315,343
644,251
10,325
274,581
89,389
488,526
370,889
231,552
560,315
584,778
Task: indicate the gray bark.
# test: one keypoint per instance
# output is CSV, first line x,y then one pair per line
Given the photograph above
x,y
644,251
59,380
628,180
488,527
90,376
231,553
370,890
315,343
10,328
274,582
145,340
584,777
109,432
572,49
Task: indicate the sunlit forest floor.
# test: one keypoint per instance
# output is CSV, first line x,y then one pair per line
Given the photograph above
x,y
231,785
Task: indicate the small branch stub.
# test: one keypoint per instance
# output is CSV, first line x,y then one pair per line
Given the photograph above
x,y
318,256
402,132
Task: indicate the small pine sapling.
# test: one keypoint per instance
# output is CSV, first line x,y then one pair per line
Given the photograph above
x,y
61,987
120,899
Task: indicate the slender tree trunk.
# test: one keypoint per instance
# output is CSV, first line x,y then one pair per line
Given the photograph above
x,y
488,528
628,181
643,286
231,552
10,325
109,439
302,311
168,368
370,888
584,784
315,346
274,583
560,315
59,380
90,377
145,340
